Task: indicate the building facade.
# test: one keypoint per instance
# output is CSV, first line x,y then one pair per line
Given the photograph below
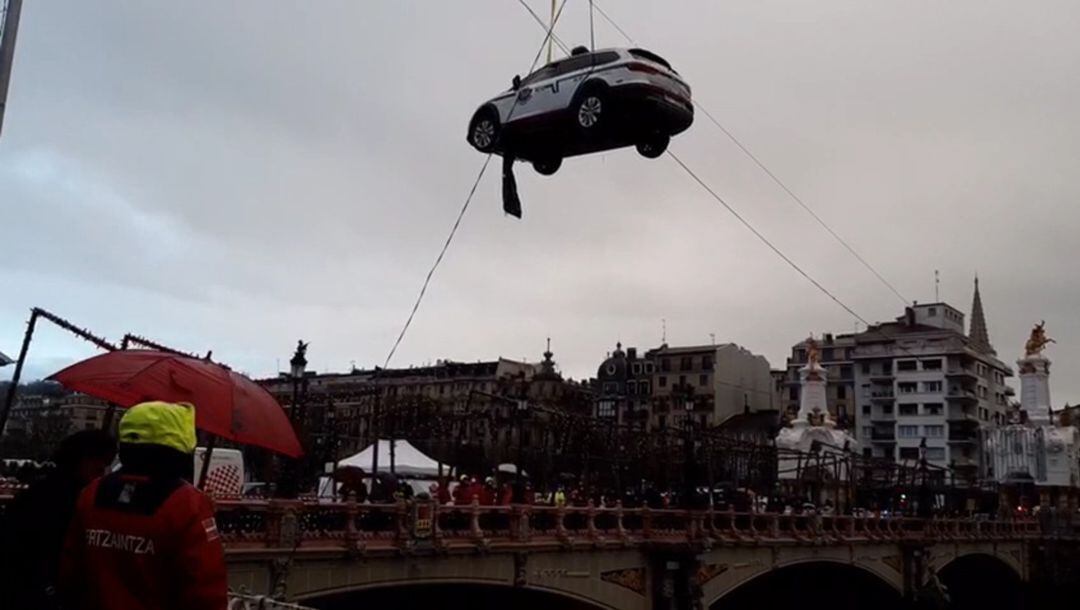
x,y
466,413
665,385
920,385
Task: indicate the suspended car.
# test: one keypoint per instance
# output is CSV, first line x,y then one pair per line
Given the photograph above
x,y
587,102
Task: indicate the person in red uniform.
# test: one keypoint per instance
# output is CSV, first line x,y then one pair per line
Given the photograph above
x,y
144,537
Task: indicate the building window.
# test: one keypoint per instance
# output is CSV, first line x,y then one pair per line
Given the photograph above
x,y
935,454
932,408
609,388
606,408
703,380
931,365
706,363
866,368
631,388
686,363
665,364
682,381
827,354
909,453
793,393
907,365
933,312
907,431
643,388
866,409
663,381
650,368
908,387
610,369
936,431
841,391
867,431
867,452
636,367
909,409
887,409
932,387
846,372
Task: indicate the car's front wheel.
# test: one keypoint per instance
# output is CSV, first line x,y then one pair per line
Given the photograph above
x,y
546,167
591,110
484,130
654,146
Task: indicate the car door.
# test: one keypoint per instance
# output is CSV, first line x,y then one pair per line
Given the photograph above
x,y
548,91
527,104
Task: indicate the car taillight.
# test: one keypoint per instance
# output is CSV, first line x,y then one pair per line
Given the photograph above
x,y
639,67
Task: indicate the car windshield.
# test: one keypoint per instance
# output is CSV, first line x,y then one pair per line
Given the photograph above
x,y
653,57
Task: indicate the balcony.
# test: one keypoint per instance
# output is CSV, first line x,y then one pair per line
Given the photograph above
x,y
960,372
882,376
883,435
965,434
961,395
883,417
882,396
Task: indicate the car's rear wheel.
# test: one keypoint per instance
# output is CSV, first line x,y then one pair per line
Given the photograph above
x,y
484,130
654,146
591,110
546,167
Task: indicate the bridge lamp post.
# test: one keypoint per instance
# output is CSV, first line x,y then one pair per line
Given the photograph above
x,y
521,409
688,425
297,374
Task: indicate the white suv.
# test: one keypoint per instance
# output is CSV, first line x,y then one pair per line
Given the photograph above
x,y
587,102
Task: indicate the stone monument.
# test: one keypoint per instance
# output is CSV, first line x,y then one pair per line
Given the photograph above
x,y
1032,448
813,430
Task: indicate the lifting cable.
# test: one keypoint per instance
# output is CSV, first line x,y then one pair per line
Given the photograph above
x,y
772,175
764,239
758,234
461,214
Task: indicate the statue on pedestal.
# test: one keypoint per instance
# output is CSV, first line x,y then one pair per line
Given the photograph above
x,y
1038,340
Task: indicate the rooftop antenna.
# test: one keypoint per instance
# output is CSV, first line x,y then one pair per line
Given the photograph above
x,y
663,331
712,338
937,286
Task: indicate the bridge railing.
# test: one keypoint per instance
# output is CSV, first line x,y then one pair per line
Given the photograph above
x,y
251,525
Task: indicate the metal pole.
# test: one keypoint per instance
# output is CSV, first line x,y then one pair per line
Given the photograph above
x,y
9,402
375,429
7,51
207,455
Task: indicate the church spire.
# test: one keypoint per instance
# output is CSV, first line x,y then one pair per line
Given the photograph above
x,y
977,333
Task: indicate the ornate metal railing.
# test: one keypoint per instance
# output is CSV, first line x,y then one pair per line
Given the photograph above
x,y
248,526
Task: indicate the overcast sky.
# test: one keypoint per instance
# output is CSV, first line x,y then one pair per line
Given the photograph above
x,y
237,175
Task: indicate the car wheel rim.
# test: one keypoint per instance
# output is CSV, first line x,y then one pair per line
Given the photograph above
x,y
484,133
589,112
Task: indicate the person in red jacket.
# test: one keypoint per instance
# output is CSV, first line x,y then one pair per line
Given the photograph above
x,y
144,537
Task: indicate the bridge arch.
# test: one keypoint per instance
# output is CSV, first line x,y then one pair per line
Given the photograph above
x,y
478,593
982,580
788,584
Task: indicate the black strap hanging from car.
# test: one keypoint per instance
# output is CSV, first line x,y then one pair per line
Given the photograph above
x,y
511,202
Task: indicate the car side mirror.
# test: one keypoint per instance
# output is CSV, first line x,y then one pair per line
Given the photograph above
x,y
516,83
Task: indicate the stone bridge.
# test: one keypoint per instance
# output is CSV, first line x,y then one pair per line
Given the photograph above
x,y
629,559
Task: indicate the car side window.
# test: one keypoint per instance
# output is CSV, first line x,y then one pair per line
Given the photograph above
x,y
573,64
543,73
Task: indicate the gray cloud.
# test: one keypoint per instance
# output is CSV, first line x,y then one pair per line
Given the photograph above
x,y
239,176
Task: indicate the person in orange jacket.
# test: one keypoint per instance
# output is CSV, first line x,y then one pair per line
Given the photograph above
x,y
144,537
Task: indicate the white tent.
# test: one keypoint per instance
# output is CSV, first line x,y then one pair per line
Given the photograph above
x,y
408,460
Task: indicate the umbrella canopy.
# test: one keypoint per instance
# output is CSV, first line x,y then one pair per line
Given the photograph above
x,y
227,404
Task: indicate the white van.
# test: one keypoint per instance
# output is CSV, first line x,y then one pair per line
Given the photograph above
x,y
225,478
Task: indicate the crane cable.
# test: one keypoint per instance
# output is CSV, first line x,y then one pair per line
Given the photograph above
x,y
468,200
768,172
740,218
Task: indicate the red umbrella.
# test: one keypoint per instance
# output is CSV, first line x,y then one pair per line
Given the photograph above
x,y
227,404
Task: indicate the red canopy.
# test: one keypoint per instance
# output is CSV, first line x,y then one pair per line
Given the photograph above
x,y
227,404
